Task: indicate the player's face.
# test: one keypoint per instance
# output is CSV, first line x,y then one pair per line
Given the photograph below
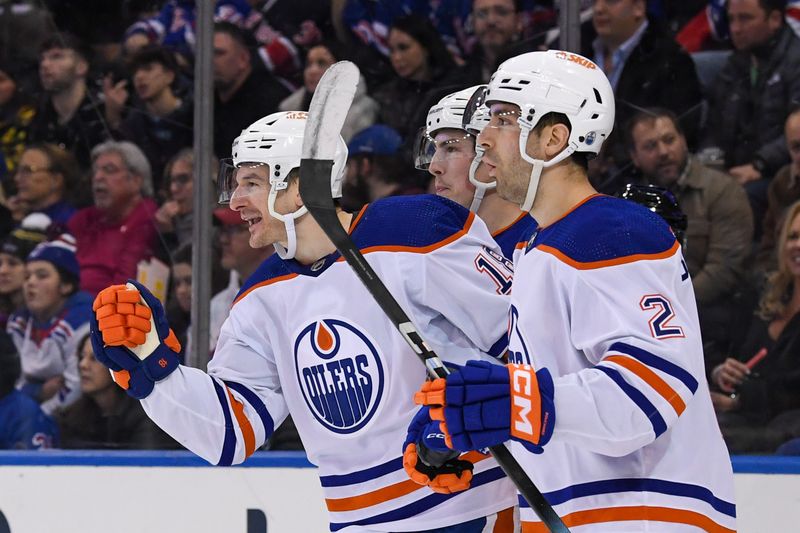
x,y
94,375
12,274
450,166
793,140
250,200
792,247
750,25
660,151
500,141
44,293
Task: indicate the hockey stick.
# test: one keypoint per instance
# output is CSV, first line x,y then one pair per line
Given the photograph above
x,y
329,106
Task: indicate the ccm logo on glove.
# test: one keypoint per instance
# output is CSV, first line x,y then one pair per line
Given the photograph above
x,y
526,413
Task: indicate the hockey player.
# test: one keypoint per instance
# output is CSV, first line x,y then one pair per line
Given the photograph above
x,y
605,400
446,148
305,337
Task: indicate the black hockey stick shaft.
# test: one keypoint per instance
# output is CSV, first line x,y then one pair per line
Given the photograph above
x,y
315,191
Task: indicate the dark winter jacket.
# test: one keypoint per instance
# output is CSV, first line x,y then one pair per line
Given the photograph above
x,y
658,73
748,106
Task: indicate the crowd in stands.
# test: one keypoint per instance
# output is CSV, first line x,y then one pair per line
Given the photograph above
x,y
97,170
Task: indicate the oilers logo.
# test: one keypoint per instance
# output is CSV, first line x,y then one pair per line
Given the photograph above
x,y
340,374
517,347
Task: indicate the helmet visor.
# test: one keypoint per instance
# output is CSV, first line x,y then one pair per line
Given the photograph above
x,y
446,144
244,180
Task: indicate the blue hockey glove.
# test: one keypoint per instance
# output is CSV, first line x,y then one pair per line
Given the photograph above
x,y
483,404
427,459
130,335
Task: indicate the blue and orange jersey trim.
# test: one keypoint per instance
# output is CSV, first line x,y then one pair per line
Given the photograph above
x,y
233,409
603,231
398,498
509,237
410,224
657,513
416,224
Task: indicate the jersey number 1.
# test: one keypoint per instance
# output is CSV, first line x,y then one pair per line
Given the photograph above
x,y
659,324
501,276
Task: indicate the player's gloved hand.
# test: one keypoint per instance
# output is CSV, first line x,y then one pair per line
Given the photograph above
x,y
130,335
482,405
427,459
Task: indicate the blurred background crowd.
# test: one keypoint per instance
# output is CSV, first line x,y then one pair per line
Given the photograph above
x,y
97,168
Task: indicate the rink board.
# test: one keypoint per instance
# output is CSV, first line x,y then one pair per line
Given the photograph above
x,y
277,492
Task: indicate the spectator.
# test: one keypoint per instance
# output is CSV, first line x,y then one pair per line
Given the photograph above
x,y
644,65
497,25
420,61
174,26
47,330
174,217
288,28
105,417
23,424
48,181
753,94
783,191
161,122
179,299
13,253
758,407
16,113
363,110
180,305
370,21
720,224
376,168
118,231
237,257
70,115
242,95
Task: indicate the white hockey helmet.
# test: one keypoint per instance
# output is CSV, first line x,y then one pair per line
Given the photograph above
x,y
555,82
448,113
276,141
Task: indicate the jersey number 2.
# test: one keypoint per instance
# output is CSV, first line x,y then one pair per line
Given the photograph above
x,y
659,324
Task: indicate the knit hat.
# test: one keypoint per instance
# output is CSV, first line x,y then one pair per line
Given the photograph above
x,y
23,239
60,252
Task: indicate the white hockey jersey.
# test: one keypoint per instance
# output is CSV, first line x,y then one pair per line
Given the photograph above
x,y
603,299
312,342
51,349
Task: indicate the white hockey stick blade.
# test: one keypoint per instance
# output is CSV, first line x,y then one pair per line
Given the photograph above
x,y
328,110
